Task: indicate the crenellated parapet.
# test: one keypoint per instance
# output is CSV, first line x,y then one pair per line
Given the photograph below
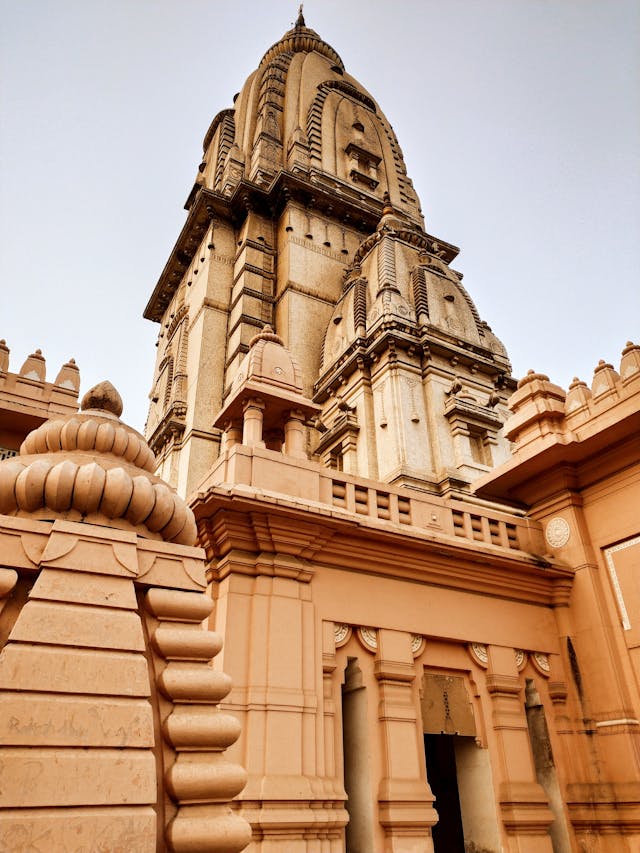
x,y
541,409
551,427
27,399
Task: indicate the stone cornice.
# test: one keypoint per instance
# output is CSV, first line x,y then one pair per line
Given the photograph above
x,y
172,425
227,518
325,194
428,340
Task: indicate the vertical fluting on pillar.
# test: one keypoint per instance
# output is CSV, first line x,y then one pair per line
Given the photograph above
x,y
201,781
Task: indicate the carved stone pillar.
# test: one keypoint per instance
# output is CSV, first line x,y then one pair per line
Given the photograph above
x,y
252,423
294,436
232,434
523,803
263,601
332,769
405,800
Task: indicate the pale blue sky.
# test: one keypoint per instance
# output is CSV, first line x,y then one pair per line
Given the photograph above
x,y
519,121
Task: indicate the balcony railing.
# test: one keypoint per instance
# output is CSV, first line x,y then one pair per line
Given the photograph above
x,y
470,521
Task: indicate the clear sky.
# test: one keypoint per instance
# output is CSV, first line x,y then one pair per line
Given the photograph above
x,y
519,121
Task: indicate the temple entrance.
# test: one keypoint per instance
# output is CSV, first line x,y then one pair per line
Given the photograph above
x,y
458,769
448,835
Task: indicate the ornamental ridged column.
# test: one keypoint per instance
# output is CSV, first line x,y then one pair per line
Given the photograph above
x,y
200,781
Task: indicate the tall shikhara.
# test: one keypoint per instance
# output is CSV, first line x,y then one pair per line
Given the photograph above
x,y
433,646
303,217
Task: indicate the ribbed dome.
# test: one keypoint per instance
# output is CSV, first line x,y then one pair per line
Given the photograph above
x,y
397,276
301,39
91,467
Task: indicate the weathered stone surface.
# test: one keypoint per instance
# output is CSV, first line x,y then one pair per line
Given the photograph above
x,y
36,719
75,830
75,777
85,588
79,625
31,667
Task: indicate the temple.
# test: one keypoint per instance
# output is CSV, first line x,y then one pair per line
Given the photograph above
x,y
419,576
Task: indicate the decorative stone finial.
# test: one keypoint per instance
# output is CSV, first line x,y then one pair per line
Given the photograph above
x,y
267,334
69,377
300,19
34,367
531,377
388,207
578,395
605,378
4,356
103,397
630,363
91,467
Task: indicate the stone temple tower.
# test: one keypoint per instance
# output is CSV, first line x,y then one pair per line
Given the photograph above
x,y
303,217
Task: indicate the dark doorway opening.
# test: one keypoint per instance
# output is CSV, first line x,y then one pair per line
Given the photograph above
x,y
440,756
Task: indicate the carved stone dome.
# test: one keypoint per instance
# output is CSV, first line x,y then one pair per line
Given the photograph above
x,y
397,276
301,39
92,467
269,362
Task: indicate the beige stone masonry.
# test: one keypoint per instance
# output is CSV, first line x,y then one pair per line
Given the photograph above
x,y
109,733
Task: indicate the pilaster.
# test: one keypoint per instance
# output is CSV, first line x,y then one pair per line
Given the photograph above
x,y
405,801
523,803
264,608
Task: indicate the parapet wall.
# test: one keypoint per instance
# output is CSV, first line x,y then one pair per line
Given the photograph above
x,y
27,399
542,409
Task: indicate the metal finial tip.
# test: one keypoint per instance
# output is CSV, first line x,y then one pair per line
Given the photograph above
x,y
300,19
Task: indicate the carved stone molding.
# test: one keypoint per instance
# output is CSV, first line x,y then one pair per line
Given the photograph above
x,y
417,645
521,658
479,654
369,638
541,662
505,685
342,634
557,532
558,691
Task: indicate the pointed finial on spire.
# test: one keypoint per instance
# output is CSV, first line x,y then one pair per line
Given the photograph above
x,y
300,20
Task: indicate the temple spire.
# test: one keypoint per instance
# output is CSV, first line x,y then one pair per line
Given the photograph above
x,y
300,20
